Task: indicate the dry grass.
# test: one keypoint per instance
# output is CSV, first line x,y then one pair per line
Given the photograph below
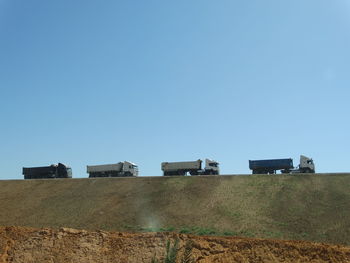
x,y
308,207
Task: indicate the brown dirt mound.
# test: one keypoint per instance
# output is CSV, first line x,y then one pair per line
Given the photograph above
x,y
302,207
18,244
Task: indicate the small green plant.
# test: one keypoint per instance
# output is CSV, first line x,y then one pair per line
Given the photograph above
x,y
154,260
167,229
229,233
304,234
185,231
172,253
205,232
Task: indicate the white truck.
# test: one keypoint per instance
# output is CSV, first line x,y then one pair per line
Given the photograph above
x,y
192,167
121,169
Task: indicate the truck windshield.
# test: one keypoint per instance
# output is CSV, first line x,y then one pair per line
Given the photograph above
x,y
213,164
69,172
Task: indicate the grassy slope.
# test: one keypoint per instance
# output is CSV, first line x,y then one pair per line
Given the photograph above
x,y
309,207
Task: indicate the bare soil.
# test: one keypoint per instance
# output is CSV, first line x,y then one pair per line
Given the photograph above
x,y
31,245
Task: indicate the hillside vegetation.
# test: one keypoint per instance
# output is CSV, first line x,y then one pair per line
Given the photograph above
x,y
306,207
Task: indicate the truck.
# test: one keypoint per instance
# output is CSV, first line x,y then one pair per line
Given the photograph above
x,y
191,167
271,166
121,169
45,172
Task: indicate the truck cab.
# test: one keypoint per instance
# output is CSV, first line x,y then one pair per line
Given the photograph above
x,y
211,167
130,169
63,171
306,165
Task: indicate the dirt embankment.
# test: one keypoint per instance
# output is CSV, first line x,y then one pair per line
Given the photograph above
x,y
299,207
29,245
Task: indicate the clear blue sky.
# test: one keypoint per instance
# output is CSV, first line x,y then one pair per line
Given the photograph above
x,y
94,82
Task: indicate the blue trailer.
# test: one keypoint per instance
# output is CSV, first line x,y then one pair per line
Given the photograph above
x,y
271,166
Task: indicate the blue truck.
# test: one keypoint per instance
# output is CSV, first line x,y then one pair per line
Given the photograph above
x,y
271,166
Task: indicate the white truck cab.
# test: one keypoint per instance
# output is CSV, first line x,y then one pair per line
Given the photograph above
x,y
211,167
306,165
130,168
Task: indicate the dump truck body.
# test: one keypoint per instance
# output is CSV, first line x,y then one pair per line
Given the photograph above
x,y
174,166
121,169
270,165
117,167
45,172
191,167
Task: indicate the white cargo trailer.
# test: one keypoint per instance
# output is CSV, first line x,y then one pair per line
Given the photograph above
x,y
191,167
121,169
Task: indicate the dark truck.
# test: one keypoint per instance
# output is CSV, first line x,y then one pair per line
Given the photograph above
x,y
284,165
53,171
